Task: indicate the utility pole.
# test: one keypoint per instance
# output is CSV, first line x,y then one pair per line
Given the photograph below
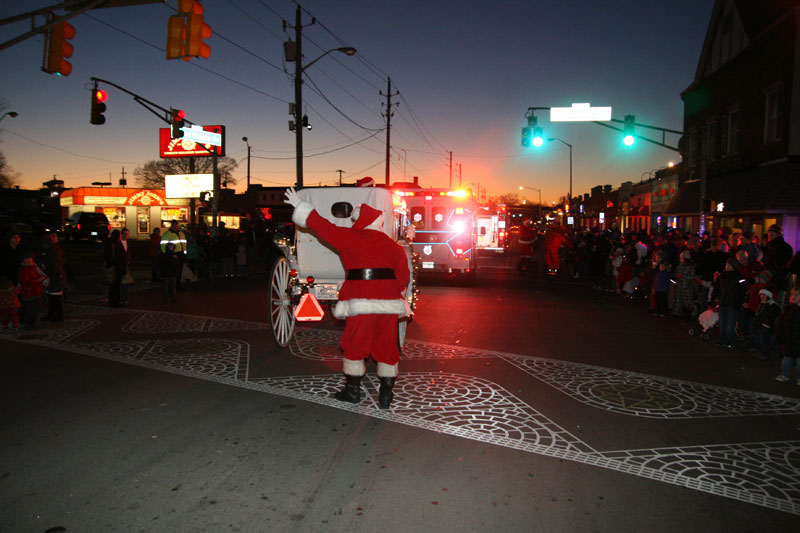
x,y
451,169
340,177
298,91
388,116
123,182
459,175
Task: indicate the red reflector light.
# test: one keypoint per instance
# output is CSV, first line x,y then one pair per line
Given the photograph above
x,y
310,279
293,273
78,226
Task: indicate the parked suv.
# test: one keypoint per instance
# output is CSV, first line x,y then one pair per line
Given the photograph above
x,y
86,225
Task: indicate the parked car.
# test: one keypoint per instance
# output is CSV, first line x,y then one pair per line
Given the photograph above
x,y
86,225
10,224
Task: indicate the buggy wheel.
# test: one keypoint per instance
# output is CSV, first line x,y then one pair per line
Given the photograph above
x,y
281,316
706,336
692,332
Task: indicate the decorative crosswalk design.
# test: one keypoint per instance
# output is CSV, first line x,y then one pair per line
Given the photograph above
x,y
467,406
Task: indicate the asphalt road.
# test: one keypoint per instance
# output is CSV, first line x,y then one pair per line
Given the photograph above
x,y
522,405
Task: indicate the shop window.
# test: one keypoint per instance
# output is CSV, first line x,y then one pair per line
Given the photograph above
x,y
143,220
772,116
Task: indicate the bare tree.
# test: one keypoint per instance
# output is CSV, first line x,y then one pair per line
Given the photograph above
x,y
8,178
151,174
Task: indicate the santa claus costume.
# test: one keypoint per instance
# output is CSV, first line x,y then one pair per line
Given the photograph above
x,y
371,298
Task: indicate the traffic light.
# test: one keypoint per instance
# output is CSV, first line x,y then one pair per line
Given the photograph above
x,y
98,106
538,138
526,137
196,31
176,36
177,122
629,138
58,49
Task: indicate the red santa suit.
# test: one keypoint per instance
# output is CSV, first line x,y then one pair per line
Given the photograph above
x,y
371,299
553,241
526,238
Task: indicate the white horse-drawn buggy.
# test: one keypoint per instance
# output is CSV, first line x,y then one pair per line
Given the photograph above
x,y
310,268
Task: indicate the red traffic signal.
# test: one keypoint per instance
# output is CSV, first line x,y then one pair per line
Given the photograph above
x,y
98,107
177,122
186,32
58,49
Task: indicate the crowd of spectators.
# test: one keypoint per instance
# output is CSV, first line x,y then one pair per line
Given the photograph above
x,y
746,284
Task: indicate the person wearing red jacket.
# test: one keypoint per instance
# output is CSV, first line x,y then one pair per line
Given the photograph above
x,y
372,297
31,280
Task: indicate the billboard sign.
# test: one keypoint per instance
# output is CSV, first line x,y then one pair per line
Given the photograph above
x,y
188,185
169,147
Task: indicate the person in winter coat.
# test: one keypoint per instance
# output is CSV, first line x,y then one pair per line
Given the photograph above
x,y
789,335
52,261
661,282
115,257
9,303
731,297
685,286
777,254
763,331
371,298
168,264
554,239
31,280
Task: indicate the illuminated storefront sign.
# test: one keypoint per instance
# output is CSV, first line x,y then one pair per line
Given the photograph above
x,y
169,147
188,185
145,197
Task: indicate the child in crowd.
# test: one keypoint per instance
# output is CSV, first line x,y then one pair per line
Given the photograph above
x,y
762,334
32,281
789,335
168,268
661,282
9,302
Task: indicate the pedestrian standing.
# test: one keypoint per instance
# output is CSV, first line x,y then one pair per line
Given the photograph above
x,y
9,304
241,258
371,298
32,281
168,266
114,260
127,277
661,284
53,261
763,331
731,298
777,254
177,237
789,336
153,252
685,284
10,256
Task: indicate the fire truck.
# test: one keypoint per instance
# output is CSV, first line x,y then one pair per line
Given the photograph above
x,y
445,231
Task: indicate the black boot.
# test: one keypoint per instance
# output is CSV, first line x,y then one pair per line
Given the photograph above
x,y
352,390
385,394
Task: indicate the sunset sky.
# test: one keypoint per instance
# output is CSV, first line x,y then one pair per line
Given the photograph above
x,y
466,73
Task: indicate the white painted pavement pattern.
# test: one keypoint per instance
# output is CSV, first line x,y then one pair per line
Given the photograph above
x,y
761,473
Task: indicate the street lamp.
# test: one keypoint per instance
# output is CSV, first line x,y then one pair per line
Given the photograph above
x,y
562,141
12,114
540,197
248,162
298,100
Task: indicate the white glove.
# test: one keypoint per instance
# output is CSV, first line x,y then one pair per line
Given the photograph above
x,y
292,197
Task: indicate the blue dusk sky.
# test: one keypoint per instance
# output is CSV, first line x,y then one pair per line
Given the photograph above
x,y
466,73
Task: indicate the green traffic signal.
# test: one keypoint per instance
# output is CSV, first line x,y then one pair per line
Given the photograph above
x,y
629,138
538,139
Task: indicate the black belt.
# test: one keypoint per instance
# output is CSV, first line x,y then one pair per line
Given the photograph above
x,y
366,274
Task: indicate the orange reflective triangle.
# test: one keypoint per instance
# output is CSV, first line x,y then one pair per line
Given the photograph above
x,y
308,310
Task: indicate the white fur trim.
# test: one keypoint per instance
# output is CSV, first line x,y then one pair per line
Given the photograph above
x,y
354,368
388,371
377,224
301,212
368,306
